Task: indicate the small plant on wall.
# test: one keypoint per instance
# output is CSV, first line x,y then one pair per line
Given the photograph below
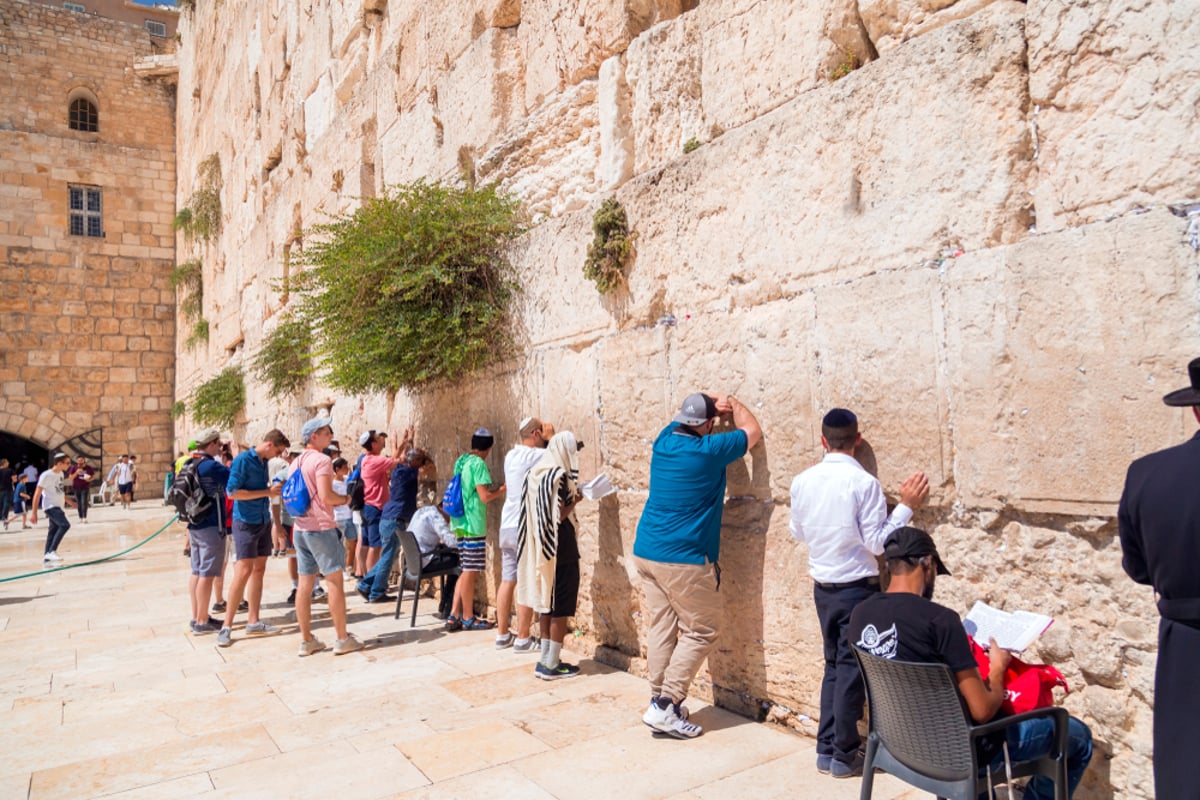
x,y
611,248
188,281
178,409
284,361
218,400
201,217
848,63
412,287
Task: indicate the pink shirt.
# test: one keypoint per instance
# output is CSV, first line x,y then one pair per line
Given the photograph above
x,y
313,464
376,472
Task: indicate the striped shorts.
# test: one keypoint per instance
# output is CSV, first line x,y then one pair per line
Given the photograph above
x,y
472,552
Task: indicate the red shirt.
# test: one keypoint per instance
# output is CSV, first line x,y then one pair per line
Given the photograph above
x,y
376,472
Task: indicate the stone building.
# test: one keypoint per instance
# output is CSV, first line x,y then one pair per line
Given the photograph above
x,y
950,219
87,181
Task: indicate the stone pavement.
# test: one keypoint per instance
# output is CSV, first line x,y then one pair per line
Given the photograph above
x,y
104,693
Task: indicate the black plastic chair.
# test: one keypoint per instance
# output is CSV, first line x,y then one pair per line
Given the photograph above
x,y
410,555
920,731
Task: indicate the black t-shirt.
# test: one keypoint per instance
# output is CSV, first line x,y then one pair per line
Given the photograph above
x,y
907,627
568,546
6,479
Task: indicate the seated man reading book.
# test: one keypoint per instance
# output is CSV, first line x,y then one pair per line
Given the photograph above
x,y
905,624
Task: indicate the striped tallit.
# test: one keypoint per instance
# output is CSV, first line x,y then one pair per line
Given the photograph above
x,y
557,472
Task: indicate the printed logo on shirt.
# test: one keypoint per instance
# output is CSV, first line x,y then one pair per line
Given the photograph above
x,y
879,644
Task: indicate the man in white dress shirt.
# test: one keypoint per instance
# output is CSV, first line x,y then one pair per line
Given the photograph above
x,y
839,511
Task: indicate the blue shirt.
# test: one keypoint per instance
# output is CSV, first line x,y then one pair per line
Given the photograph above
x,y
213,477
249,471
681,522
403,493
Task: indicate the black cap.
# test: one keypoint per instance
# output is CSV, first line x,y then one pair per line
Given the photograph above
x,y
839,418
910,542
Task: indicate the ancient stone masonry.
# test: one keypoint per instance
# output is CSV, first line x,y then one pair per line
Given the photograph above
x,y
86,321
948,216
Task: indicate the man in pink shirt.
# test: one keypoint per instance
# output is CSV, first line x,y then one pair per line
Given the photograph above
x,y
376,470
319,548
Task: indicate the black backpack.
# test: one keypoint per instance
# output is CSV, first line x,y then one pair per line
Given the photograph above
x,y
188,496
354,487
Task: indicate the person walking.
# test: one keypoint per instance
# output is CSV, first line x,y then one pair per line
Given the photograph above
x,y
1158,522
677,549
50,497
81,475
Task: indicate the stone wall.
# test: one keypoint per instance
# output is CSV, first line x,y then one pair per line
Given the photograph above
x,y
964,239
88,323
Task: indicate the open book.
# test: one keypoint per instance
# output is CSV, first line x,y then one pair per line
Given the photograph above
x,y
597,487
1013,631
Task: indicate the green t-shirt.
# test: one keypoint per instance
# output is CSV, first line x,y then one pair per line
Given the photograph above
x,y
474,472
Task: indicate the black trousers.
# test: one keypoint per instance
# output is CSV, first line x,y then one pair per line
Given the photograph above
x,y
842,690
81,501
1176,712
444,558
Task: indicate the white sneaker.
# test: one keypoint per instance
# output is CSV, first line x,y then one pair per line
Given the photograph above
x,y
260,628
667,720
313,645
52,556
347,645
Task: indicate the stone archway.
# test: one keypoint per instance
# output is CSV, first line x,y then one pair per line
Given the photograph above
x,y
34,422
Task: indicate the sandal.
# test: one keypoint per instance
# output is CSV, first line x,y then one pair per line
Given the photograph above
x,y
477,624
453,623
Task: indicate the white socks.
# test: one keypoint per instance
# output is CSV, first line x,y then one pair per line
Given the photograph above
x,y
550,653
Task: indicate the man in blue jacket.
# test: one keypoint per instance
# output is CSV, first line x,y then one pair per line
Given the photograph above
x,y
1159,523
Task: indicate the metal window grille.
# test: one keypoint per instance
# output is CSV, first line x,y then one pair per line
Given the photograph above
x,y
85,211
156,28
83,116
76,7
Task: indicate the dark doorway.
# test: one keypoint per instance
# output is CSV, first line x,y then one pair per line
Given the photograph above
x,y
20,451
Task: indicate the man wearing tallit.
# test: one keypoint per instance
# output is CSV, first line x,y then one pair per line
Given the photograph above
x,y
548,551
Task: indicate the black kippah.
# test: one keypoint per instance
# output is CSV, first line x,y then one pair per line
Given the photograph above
x,y
839,418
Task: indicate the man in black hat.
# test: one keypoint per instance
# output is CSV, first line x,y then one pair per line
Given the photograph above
x,y
1159,519
905,624
839,511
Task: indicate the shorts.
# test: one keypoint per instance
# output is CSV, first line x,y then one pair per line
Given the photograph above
x,y
566,587
472,552
349,529
370,529
124,488
508,563
319,552
208,551
251,539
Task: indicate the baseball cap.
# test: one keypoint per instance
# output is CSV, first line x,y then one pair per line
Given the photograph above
x,y
313,425
910,542
697,409
207,437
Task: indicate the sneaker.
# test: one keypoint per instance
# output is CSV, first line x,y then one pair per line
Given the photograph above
x,y
260,628
364,594
563,670
52,556
347,645
224,637
387,598
506,641
531,645
840,769
291,601
823,764
668,720
319,595
201,628
219,607
244,606
313,645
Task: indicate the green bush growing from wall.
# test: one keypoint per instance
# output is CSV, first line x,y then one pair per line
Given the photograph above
x,y
218,400
284,361
611,247
411,288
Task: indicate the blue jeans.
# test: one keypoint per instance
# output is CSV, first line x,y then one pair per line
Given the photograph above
x,y
1034,738
375,582
370,526
56,518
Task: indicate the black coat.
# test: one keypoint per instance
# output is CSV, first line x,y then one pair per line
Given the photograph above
x,y
1159,519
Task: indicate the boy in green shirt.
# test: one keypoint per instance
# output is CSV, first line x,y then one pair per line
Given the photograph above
x,y
471,530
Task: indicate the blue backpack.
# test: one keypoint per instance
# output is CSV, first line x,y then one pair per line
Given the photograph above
x,y
295,495
452,499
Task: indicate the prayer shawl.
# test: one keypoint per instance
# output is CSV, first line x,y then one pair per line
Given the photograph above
x,y
537,538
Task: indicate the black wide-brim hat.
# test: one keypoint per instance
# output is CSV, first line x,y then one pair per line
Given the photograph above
x,y
1189,396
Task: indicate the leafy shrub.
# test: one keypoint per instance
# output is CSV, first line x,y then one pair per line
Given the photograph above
x,y
188,280
410,288
284,361
611,247
218,400
201,217
848,64
178,409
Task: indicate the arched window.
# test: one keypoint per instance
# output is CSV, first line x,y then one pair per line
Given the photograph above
x,y
83,116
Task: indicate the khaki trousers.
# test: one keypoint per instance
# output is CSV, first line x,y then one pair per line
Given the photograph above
x,y
684,611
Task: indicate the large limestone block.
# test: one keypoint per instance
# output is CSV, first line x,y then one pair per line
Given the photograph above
x,y
549,158
890,23
637,400
936,155
565,42
1118,90
482,92
1059,350
410,146
729,62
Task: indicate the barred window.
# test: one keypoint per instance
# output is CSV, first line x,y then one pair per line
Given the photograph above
x,y
76,7
156,28
83,116
84,215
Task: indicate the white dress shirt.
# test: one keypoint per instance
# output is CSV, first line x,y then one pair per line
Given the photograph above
x,y
431,529
839,511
